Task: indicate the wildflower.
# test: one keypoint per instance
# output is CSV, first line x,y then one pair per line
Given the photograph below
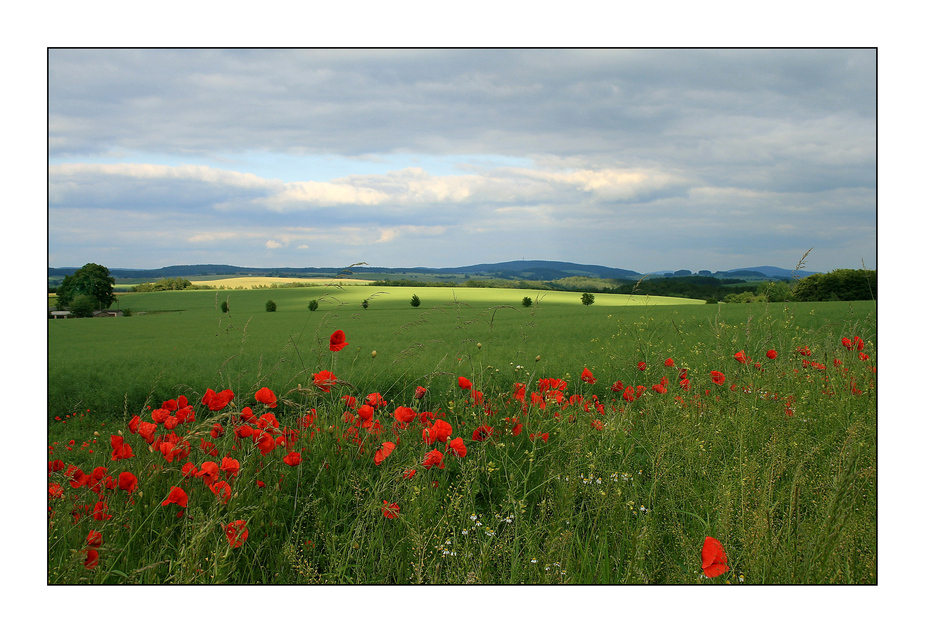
x,y
718,377
375,400
338,341
217,401
804,351
266,396
230,466
457,447
482,433
94,539
236,533
208,473
382,453
390,510
222,490
408,474
771,354
641,366
587,376
617,387
863,356
294,458
93,558
324,380
120,450
404,415
439,432
99,511
543,436
127,482
434,458
419,392
55,491
740,356
713,558
464,383
669,362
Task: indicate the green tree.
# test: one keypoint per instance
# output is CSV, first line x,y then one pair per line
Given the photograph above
x,y
271,305
313,305
365,303
415,301
92,280
587,298
83,306
527,302
224,306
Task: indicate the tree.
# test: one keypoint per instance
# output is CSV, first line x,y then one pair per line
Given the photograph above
x,y
313,305
527,302
365,303
415,301
271,305
587,298
83,306
224,306
92,280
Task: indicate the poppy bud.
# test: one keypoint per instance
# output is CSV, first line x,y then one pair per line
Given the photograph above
x,y
373,354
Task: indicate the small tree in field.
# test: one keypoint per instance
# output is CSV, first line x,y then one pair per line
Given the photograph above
x,y
224,306
587,298
313,305
271,306
365,303
527,302
415,301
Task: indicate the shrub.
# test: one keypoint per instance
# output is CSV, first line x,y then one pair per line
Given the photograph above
x,y
527,302
415,301
365,303
271,306
224,306
587,298
313,305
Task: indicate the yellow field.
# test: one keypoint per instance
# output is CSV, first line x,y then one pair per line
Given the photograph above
x,y
251,282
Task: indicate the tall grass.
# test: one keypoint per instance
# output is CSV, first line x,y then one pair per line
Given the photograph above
x,y
778,462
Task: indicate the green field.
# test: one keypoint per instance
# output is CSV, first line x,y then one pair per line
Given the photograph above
x,y
778,462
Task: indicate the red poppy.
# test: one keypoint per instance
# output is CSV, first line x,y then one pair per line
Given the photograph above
x,y
264,442
382,453
338,341
641,365
717,377
308,419
863,356
222,490
408,474
217,401
858,343
434,458
740,356
419,392
99,511
94,539
93,558
208,472
482,433
375,400
236,533
404,415
464,383
541,436
804,351
120,450
230,466
266,396
713,558
772,354
390,510
617,387
439,432
324,380
55,491
294,458
177,496
587,376
127,482
669,362
457,447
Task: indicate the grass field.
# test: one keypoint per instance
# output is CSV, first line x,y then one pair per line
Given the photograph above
x,y
542,482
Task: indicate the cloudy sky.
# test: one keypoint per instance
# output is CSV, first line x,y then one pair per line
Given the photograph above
x,y
643,159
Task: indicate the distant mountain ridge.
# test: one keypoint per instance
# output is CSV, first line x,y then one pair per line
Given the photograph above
x,y
535,269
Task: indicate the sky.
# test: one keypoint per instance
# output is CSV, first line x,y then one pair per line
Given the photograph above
x,y
643,159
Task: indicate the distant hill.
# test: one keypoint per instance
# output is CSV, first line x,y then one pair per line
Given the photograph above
x,y
530,269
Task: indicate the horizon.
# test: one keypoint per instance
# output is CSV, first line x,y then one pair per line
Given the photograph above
x,y
293,158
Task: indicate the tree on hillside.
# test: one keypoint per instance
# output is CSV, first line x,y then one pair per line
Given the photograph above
x,y
587,298
838,285
415,300
92,280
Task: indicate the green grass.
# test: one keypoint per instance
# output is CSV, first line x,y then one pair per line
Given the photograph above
x,y
777,463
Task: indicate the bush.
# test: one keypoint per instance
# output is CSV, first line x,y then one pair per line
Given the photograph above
x,y
271,306
587,298
527,302
415,301
224,306
313,305
365,303
83,306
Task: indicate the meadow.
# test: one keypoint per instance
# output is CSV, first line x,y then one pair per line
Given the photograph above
x,y
471,440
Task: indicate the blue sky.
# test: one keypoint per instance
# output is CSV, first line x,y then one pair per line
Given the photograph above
x,y
646,159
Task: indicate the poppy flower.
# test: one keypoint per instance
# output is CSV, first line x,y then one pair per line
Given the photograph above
x,y
457,447
264,442
540,436
382,453
740,356
439,432
208,472
434,458
338,341
858,343
641,365
94,539
324,380
617,387
222,490
419,392
863,356
464,383
217,401
408,474
375,400
177,496
717,377
404,415
236,533
308,419
669,362
294,458
713,558
120,450
266,396
127,482
482,433
587,376
99,511
230,466
804,351
93,558
390,510
55,491
771,354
